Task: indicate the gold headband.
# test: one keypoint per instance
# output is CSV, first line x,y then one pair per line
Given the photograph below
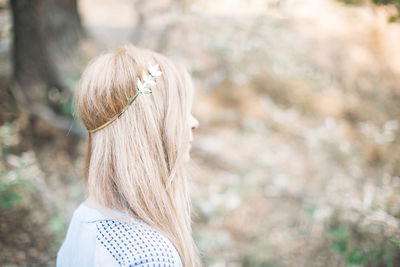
x,y
143,88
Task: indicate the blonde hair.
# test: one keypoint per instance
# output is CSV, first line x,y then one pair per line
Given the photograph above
x,y
136,164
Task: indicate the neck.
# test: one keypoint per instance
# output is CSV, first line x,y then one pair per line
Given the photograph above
x,y
109,212
91,202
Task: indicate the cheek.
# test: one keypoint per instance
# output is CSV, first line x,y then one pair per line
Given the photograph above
x,y
187,155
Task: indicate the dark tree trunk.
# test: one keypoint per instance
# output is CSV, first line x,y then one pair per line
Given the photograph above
x,y
45,47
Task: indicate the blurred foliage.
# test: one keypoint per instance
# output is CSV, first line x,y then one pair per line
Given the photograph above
x,y
67,106
8,194
58,227
386,2
25,197
11,182
352,2
339,236
395,3
64,100
12,187
3,5
353,255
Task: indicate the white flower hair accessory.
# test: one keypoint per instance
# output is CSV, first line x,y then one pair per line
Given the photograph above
x,y
148,79
143,87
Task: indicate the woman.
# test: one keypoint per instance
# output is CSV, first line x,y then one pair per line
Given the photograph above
x,y
136,105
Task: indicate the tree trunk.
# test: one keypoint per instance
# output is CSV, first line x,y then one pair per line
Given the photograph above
x,y
45,47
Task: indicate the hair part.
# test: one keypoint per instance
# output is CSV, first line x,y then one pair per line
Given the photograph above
x,y
136,164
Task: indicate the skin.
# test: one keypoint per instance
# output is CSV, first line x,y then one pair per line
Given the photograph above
x,y
194,124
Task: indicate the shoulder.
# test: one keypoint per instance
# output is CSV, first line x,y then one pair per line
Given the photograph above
x,y
94,239
78,246
135,244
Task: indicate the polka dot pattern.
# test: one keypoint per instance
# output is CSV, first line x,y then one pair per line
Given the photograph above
x,y
135,244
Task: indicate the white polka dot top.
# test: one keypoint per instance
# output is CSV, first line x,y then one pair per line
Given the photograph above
x,y
94,239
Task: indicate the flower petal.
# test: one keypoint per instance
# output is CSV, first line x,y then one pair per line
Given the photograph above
x,y
139,85
154,71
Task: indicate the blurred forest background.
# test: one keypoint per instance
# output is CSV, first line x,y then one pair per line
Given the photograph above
x,y
297,158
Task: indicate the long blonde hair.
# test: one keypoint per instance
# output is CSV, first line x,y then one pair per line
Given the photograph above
x,y
136,164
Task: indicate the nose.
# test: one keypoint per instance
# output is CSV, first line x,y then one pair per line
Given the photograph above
x,y
194,122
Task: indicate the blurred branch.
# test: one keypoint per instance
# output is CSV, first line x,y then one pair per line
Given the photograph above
x,y
156,12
